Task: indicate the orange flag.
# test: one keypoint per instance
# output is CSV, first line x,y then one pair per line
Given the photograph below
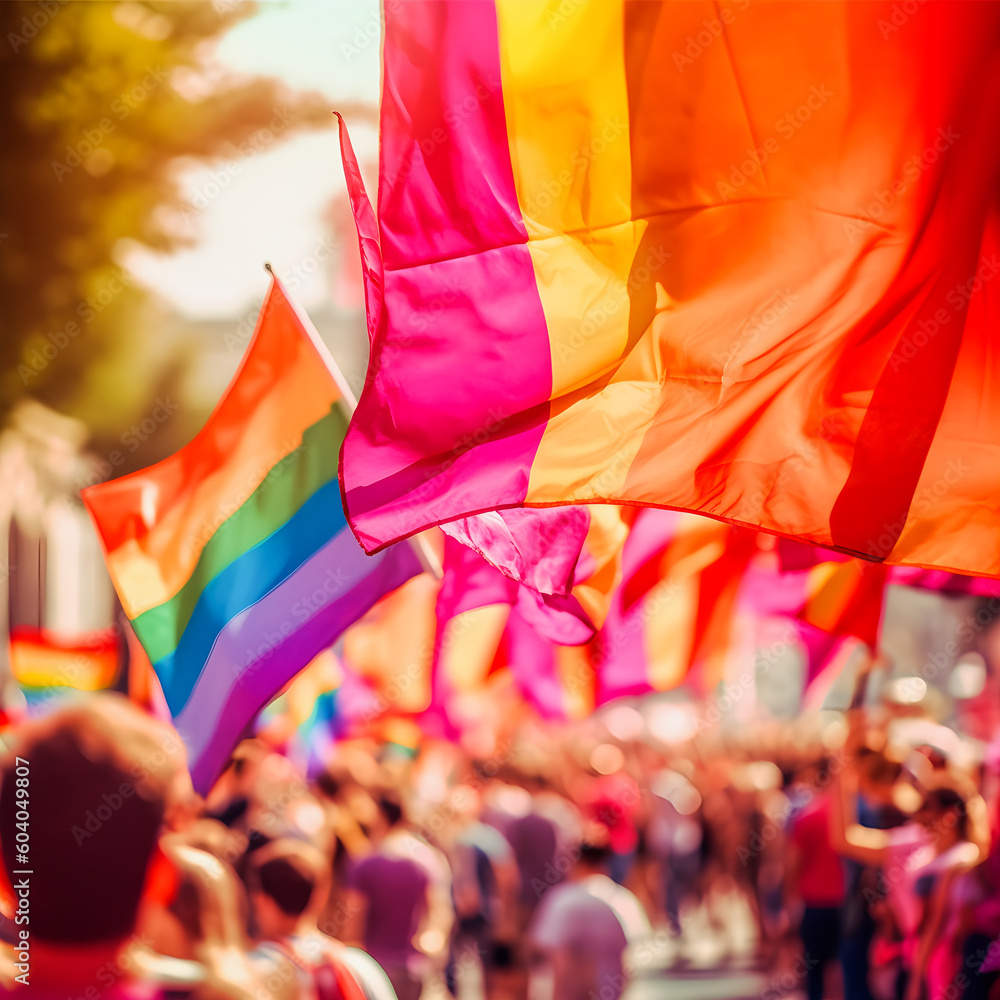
x,y
736,258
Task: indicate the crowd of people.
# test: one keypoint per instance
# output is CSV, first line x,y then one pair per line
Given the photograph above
x,y
865,869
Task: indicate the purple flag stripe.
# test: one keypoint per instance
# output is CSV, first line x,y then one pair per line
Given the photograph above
x,y
262,648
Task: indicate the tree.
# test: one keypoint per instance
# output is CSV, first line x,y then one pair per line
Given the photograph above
x,y
100,101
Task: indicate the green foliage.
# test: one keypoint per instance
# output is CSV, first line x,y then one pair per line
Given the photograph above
x,y
100,101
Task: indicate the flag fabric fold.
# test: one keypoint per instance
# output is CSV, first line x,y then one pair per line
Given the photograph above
x,y
755,283
846,598
567,617
539,548
671,619
232,557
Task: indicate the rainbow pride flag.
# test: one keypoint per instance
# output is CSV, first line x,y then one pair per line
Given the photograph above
x,y
232,558
50,668
41,659
733,258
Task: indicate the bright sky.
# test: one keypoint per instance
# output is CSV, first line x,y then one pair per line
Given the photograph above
x,y
272,209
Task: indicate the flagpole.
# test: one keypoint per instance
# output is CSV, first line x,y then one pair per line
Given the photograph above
x,y
348,397
348,404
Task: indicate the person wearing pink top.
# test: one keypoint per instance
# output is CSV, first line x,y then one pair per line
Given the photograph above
x,y
917,861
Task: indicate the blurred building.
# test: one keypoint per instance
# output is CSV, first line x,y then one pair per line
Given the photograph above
x,y
52,576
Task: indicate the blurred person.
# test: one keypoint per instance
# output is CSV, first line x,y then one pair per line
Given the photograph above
x,y
397,836
204,924
943,833
230,800
613,800
534,839
551,803
775,807
877,810
388,903
765,863
230,796
976,924
591,873
350,811
215,838
886,975
674,838
577,938
878,777
485,886
290,881
281,805
261,796
730,855
937,960
815,885
541,826
353,809
103,780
